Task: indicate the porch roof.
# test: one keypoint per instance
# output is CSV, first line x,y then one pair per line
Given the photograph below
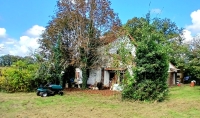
x,y
113,68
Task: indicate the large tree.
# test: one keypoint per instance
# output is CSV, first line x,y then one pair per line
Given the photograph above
x,y
153,40
192,60
81,24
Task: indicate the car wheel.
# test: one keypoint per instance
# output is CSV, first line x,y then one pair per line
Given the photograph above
x,y
38,93
60,93
44,94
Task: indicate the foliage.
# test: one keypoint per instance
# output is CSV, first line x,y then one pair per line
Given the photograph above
x,y
121,52
8,60
146,90
80,24
120,55
150,73
173,37
19,77
192,59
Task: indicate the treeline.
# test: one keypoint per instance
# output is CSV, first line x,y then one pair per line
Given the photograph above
x,y
8,60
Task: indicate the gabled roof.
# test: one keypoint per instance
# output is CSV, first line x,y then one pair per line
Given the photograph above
x,y
172,68
112,37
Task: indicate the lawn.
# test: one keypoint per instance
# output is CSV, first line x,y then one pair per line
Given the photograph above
x,y
183,101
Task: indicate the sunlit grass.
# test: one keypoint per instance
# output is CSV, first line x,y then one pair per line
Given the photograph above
x,y
183,101
186,92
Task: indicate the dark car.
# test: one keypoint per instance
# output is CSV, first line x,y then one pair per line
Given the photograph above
x,y
187,79
49,90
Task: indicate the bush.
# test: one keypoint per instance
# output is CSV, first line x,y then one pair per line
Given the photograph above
x,y
146,90
19,77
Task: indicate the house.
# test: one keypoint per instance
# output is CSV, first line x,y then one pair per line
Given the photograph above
x,y
112,70
108,74
173,72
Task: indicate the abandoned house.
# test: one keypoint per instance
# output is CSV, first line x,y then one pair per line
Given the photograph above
x,y
109,74
112,70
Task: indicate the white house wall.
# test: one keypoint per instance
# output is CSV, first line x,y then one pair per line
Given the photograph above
x,y
106,78
94,76
114,46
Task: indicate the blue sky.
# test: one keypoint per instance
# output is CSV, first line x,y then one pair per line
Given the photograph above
x,y
22,21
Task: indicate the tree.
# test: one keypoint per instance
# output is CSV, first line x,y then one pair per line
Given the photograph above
x,y
192,65
153,39
81,24
174,41
8,60
56,67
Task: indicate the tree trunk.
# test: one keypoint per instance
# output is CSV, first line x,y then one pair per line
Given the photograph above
x,y
84,74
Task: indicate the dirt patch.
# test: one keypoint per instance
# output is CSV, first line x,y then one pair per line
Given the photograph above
x,y
105,92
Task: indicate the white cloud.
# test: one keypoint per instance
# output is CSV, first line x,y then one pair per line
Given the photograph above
x,y
9,42
187,35
2,32
156,11
35,31
28,42
22,46
195,26
1,46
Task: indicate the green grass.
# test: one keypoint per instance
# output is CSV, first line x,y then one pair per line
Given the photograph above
x,y
185,92
183,102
